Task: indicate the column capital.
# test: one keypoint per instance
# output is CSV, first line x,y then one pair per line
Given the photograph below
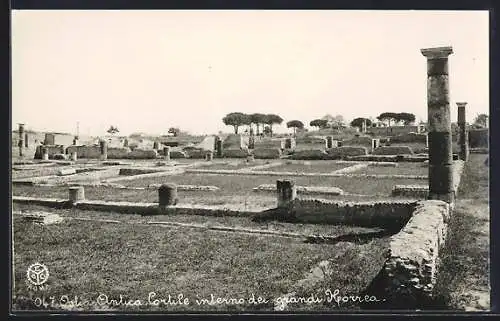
x,y
437,52
462,104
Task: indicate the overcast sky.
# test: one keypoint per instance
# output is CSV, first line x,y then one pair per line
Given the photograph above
x,y
145,71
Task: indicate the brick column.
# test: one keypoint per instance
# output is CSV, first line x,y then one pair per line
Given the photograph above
x,y
439,123
104,149
76,193
463,136
287,192
329,142
21,139
167,195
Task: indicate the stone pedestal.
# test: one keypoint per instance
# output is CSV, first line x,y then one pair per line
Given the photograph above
x,y
218,150
74,156
76,194
250,158
167,195
104,149
329,142
209,156
45,153
286,192
439,124
463,133
21,139
166,153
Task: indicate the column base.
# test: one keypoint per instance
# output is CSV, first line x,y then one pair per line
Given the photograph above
x,y
448,197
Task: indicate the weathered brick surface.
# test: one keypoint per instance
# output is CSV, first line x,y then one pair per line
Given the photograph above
x,y
234,153
393,150
267,153
391,215
342,152
408,276
310,154
143,154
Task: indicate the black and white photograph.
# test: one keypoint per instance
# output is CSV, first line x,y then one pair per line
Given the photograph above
x,y
250,161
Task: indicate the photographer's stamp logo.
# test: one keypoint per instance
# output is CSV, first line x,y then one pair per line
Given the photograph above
x,y
37,275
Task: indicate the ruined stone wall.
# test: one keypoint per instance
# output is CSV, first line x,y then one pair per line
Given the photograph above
x,y
143,154
393,150
310,154
408,276
341,152
267,153
391,215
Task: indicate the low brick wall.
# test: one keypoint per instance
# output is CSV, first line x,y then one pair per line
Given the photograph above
x,y
307,190
310,154
342,152
359,141
85,151
267,153
269,143
51,149
393,150
408,276
409,138
234,153
142,154
118,152
389,215
421,191
388,158
175,154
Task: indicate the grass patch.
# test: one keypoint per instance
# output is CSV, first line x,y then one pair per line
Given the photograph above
x,y
403,168
313,167
87,259
242,184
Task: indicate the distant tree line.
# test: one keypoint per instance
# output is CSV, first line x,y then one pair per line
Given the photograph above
x,y
237,119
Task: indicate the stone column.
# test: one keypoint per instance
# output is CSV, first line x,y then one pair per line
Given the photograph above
x,y
104,149
463,136
329,142
76,193
167,195
21,137
219,148
363,126
439,123
375,143
45,153
26,140
286,191
166,153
